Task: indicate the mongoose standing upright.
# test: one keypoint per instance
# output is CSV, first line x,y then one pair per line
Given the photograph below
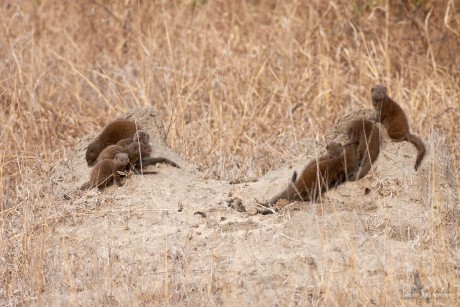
x,y
391,115
111,134
367,136
106,171
320,175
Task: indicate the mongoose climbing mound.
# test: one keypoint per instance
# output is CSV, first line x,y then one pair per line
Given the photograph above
x,y
320,175
393,118
367,135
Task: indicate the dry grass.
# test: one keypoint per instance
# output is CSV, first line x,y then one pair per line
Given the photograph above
x,y
238,84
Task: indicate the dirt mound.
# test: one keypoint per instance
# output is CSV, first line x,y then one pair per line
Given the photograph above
x,y
174,235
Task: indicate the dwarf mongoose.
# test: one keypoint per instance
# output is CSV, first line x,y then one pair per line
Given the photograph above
x,y
320,175
135,152
138,154
367,136
140,136
106,171
391,115
325,174
111,134
333,150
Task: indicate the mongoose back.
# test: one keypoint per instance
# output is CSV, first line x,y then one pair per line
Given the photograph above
x,y
111,134
106,171
315,179
110,151
320,175
393,118
140,136
366,135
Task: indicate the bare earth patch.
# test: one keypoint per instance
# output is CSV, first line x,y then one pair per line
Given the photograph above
x,y
174,236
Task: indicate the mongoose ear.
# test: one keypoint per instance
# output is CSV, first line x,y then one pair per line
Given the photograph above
x,y
386,90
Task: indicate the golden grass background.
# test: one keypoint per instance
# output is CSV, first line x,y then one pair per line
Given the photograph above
x,y
238,84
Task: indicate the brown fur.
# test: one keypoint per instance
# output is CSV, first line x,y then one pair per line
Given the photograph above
x,y
367,136
318,176
391,115
111,134
110,151
140,136
106,171
135,152
333,150
138,154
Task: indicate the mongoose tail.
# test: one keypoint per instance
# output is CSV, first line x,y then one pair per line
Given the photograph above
x,y
418,143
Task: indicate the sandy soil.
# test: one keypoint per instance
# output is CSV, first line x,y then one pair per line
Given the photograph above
x,y
176,237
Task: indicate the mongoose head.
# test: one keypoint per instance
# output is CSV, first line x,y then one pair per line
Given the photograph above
x,y
142,137
138,150
121,159
378,94
334,149
145,149
92,153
